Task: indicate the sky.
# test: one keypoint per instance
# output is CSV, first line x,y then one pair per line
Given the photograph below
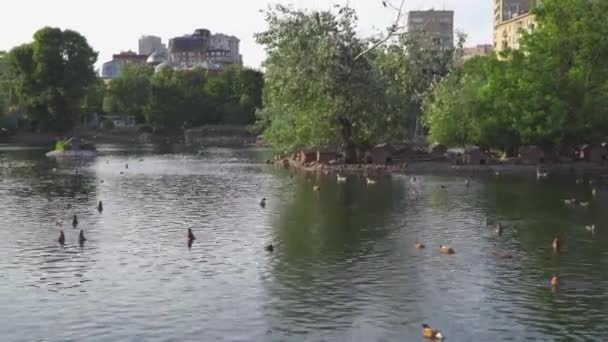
x,y
112,26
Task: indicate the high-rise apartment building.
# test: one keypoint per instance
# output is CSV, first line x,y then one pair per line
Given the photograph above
x,y
150,44
435,26
511,18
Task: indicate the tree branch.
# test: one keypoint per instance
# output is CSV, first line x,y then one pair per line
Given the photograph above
x,y
392,30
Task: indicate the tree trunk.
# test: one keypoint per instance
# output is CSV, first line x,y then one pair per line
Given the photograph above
x,y
350,153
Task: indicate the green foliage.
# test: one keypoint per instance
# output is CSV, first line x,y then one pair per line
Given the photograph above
x,y
175,99
66,144
130,92
63,145
178,100
316,91
52,77
555,90
236,94
93,100
6,82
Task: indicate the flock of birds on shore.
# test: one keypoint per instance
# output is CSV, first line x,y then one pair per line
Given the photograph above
x,y
427,331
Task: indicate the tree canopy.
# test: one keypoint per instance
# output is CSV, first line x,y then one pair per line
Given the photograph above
x,y
53,75
325,84
552,91
175,99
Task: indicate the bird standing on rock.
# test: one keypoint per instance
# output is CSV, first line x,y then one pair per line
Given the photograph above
x,y
263,203
100,207
75,221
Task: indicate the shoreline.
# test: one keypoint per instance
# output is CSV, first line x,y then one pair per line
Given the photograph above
x,y
447,168
212,137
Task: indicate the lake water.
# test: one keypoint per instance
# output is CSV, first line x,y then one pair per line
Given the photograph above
x,y
344,267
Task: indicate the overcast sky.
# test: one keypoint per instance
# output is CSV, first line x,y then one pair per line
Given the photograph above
x,y
112,26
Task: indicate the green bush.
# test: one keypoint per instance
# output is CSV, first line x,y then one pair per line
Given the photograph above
x,y
63,145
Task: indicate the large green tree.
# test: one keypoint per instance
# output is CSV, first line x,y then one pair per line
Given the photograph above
x,y
321,85
53,75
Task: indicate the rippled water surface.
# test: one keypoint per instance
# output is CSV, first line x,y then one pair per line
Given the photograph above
x,y
344,266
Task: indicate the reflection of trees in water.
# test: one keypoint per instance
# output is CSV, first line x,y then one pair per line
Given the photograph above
x,y
43,196
535,213
322,238
30,173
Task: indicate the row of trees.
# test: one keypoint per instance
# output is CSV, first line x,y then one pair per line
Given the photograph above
x,y
327,85
171,99
52,83
553,91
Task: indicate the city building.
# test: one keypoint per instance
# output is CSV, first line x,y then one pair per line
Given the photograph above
x,y
203,50
436,26
151,44
476,51
511,19
113,68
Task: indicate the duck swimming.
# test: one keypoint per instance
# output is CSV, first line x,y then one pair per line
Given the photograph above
x,y
269,248
556,245
431,333
555,280
316,188
447,250
499,229
370,181
591,228
341,179
81,238
75,221
420,245
61,239
263,203
541,174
